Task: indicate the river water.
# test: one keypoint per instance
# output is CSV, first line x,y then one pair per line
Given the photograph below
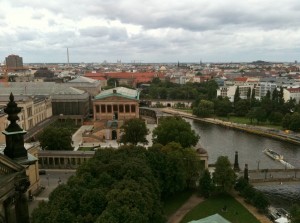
x,y
224,141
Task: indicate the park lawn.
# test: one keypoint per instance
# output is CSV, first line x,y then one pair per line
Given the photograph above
x,y
86,149
235,211
245,120
171,204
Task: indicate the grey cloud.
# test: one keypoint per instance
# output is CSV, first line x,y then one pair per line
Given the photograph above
x,y
111,33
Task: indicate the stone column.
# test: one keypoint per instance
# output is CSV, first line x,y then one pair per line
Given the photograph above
x,y
21,203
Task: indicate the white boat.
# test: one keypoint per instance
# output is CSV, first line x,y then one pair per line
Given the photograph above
x,y
273,154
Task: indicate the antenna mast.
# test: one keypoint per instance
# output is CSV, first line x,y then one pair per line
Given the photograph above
x,y
68,57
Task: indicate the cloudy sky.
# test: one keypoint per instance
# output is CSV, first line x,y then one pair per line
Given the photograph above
x,y
150,30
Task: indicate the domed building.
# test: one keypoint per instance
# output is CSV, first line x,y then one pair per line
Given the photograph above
x,y
203,156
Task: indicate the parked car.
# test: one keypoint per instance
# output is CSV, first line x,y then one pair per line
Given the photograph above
x,y
42,172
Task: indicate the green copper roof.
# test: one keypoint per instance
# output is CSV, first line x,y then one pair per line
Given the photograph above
x,y
121,92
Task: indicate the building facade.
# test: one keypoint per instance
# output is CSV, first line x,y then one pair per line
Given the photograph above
x,y
14,62
34,110
111,108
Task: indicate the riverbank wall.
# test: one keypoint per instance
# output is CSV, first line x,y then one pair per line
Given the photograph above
x,y
257,130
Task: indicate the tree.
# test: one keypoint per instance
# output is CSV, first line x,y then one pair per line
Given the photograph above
x,y
260,114
222,106
204,109
295,213
237,95
53,138
249,93
174,129
205,184
224,176
134,132
295,122
241,107
275,117
251,115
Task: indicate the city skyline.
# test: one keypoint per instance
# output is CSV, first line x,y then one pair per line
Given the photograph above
x,y
150,32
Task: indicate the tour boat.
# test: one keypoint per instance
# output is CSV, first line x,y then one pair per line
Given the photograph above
x,y
273,154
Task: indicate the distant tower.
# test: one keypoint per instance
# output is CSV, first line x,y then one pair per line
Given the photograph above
x,y
14,62
68,57
236,166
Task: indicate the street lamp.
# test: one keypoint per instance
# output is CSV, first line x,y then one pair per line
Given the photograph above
x,y
48,179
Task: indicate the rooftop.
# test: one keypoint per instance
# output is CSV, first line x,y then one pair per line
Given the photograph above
x,y
119,91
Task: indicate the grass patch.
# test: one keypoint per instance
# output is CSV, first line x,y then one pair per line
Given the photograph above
x,y
173,203
245,120
235,211
86,149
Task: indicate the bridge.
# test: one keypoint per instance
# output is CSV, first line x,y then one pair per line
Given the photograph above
x,y
151,115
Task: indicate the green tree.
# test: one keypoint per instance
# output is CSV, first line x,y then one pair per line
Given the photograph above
x,y
241,107
249,93
204,109
113,82
275,117
206,185
251,115
174,129
134,131
295,122
295,213
223,107
266,104
261,202
260,114
224,176
237,95
53,138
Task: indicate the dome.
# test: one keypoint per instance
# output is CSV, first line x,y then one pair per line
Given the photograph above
x,y
200,150
163,68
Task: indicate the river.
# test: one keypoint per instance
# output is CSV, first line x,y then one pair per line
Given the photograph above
x,y
224,141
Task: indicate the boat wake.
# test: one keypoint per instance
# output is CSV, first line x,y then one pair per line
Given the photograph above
x,y
287,165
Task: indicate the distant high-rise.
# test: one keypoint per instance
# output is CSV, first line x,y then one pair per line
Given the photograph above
x,y
14,62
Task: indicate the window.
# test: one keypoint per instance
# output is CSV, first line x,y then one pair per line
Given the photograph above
x,y
115,107
132,108
121,108
108,108
29,112
103,109
97,109
127,108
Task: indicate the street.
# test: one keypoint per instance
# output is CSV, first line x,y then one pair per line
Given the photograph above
x,y
49,182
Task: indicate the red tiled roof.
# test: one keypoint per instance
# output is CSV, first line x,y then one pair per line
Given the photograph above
x,y
294,90
241,79
125,75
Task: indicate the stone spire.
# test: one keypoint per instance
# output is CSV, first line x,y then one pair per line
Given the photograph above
x,y
14,134
236,166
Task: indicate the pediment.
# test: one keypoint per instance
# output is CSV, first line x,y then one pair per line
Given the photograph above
x,y
115,98
8,166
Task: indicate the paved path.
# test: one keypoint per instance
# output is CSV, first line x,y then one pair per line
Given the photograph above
x,y
192,202
77,138
261,217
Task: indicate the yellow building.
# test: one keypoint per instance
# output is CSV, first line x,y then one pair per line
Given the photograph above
x,y
111,108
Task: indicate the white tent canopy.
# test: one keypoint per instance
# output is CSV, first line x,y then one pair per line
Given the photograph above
x,y
282,220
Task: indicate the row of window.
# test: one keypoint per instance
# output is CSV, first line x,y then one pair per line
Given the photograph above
x,y
115,108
